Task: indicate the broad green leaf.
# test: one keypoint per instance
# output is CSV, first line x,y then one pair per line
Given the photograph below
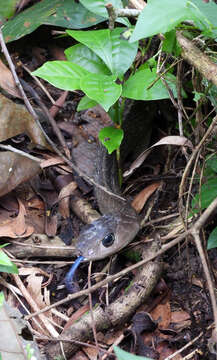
x,y
62,74
117,53
98,7
6,265
212,163
86,103
212,95
170,45
111,138
207,19
212,240
124,355
136,86
102,89
161,17
7,9
66,13
86,58
207,194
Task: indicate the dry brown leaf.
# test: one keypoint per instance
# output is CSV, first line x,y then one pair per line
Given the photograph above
x,y
16,227
15,120
51,161
34,280
167,140
162,314
7,81
179,316
64,198
15,169
140,199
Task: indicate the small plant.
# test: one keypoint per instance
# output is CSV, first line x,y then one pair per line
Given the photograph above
x,y
5,263
207,193
97,65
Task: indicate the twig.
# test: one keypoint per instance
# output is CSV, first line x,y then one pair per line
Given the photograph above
x,y
63,339
38,82
197,58
114,13
190,343
192,158
91,309
56,129
20,152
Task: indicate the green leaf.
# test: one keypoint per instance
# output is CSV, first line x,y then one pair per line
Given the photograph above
x,y
111,138
102,89
212,240
86,103
6,265
86,58
207,195
136,86
1,299
7,9
62,74
207,19
98,7
212,95
212,163
66,13
117,53
197,95
161,17
170,45
124,355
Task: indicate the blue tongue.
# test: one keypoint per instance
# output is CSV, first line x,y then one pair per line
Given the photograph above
x,y
70,275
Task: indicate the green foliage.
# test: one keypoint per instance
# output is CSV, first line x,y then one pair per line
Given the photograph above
x,y
65,13
207,193
137,86
1,299
170,45
98,63
117,53
212,240
86,58
5,263
95,64
124,355
62,74
98,7
111,137
102,89
7,9
163,16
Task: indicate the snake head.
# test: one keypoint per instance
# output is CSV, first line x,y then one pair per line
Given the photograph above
x,y
106,236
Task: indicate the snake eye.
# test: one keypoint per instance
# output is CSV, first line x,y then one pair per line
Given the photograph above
x,y
108,240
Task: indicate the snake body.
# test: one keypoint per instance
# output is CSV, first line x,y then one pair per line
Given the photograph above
x,y
119,223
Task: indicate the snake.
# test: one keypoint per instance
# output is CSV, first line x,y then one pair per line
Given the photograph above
x,y
119,222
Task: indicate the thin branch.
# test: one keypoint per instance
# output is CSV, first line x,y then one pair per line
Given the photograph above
x,y
20,152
